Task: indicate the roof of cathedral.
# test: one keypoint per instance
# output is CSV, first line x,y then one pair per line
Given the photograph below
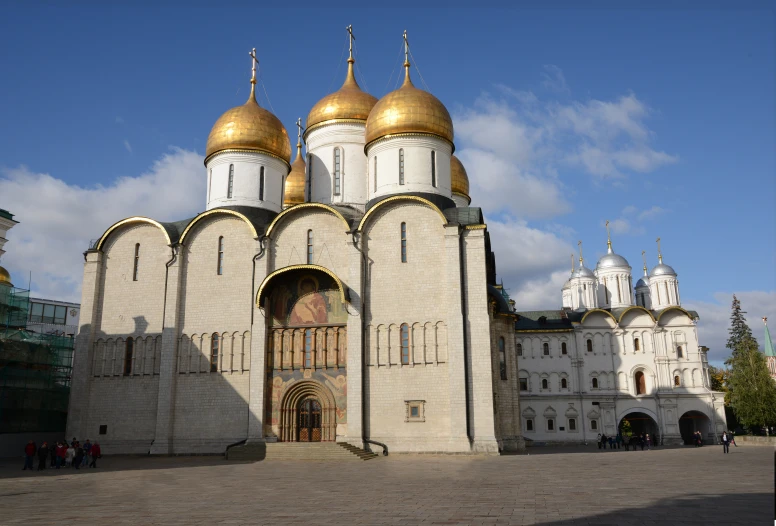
x,y
5,277
459,179
662,270
293,192
349,103
501,301
554,320
440,201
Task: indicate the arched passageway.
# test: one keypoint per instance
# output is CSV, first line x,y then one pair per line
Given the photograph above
x,y
693,421
308,413
637,423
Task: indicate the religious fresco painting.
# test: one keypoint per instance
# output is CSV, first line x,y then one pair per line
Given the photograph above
x,y
307,300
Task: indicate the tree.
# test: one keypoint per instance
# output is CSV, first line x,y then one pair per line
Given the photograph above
x,y
752,391
719,381
739,330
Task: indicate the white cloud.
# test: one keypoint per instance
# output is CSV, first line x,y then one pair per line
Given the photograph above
x,y
57,220
715,318
127,146
651,213
554,79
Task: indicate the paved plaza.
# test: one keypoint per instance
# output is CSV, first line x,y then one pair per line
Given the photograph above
x,y
559,486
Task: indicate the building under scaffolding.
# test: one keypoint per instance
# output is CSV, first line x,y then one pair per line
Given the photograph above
x,y
35,370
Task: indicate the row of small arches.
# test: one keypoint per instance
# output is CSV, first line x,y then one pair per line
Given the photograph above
x,y
408,344
214,352
133,356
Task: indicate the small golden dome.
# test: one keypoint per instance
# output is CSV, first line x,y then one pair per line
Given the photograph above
x,y
347,103
5,278
409,110
459,180
249,127
294,186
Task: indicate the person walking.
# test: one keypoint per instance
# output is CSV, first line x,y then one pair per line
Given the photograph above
x,y
42,456
642,439
599,440
603,440
61,451
725,442
69,454
648,441
732,438
79,456
96,453
29,452
611,442
87,447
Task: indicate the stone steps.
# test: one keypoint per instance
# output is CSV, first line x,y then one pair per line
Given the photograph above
x,y
321,451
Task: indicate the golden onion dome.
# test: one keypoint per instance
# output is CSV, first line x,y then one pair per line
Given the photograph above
x,y
349,103
409,110
293,193
249,127
5,278
459,180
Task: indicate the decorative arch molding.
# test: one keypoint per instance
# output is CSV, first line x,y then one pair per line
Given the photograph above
x,y
635,307
591,311
396,198
264,284
214,211
289,409
129,220
667,309
304,206
643,367
528,412
640,409
701,411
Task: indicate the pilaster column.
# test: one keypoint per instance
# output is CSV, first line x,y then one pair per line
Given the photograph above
x,y
91,294
168,375
357,348
257,392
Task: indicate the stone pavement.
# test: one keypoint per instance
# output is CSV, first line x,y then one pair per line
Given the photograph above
x,y
562,486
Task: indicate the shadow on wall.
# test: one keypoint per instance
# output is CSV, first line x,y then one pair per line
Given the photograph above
x,y
746,508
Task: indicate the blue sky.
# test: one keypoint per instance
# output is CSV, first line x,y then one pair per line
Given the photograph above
x,y
660,120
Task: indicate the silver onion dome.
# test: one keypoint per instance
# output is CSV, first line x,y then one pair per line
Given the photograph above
x,y
643,283
662,270
612,260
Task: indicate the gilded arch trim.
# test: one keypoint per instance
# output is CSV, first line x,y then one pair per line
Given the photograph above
x,y
289,407
673,308
635,307
272,275
396,198
135,219
591,311
303,206
218,211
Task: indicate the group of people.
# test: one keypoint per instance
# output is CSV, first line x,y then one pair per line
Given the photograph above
x,y
618,441
62,454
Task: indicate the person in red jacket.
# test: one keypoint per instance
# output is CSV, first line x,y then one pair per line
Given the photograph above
x,y
29,453
61,454
95,453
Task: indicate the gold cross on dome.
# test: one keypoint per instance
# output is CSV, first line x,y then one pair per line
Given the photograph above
x,y
254,63
351,38
299,129
406,48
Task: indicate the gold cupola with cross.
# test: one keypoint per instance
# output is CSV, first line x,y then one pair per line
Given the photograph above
x,y
249,128
348,104
294,186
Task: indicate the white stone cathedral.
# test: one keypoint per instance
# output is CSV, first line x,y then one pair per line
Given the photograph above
x,y
349,296
604,359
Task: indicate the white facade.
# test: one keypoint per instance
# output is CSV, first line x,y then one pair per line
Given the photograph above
x,y
337,163
245,179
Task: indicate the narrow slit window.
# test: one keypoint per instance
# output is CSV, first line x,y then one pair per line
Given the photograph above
x,y
572,424
545,384
679,352
375,173
563,348
309,247
519,349
401,165
524,384
220,267
636,345
337,170
502,358
529,424
261,184
546,349
128,351
595,383
136,263
308,348
404,242
214,348
433,169
405,344
677,381
564,384
589,345
230,186
619,291
309,178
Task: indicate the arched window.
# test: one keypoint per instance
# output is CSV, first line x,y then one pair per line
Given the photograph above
x,y
375,174
679,353
519,349
606,292
309,247
433,169
261,183
636,344
214,348
641,383
309,177
337,170
128,350
589,345
401,165
563,348
545,384
136,263
209,183
220,267
677,381
230,184
668,297
529,424
619,291
595,383
546,348
502,358
308,348
405,344
564,383
404,242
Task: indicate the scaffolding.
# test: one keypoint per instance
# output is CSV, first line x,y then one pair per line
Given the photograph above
x,y
35,370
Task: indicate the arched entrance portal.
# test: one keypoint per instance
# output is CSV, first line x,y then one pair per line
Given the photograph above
x,y
637,423
308,413
693,421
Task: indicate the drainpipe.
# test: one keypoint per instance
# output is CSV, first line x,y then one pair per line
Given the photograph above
x,y
263,241
174,255
462,270
579,390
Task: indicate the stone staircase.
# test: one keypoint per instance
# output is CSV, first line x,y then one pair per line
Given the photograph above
x,y
322,451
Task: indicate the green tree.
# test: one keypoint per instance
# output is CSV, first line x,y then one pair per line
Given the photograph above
x,y
752,390
739,330
719,381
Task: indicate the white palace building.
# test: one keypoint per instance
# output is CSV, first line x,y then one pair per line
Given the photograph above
x,y
351,296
